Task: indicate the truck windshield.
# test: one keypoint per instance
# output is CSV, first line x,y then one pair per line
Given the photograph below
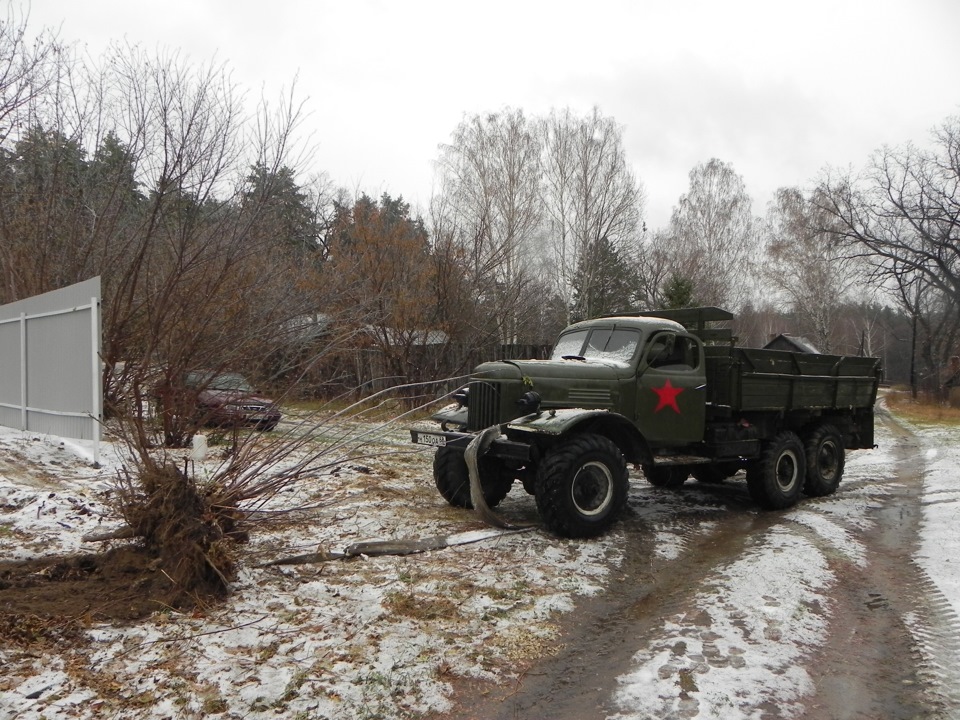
x,y
617,345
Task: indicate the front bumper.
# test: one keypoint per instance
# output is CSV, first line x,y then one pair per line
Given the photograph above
x,y
500,447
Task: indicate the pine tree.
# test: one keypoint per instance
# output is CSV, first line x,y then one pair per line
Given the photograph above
x,y
604,282
678,292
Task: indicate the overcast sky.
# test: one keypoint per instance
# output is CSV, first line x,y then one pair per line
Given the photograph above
x,y
777,89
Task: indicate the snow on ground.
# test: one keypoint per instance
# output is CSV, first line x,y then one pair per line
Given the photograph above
x,y
758,617
365,637
383,637
770,607
939,553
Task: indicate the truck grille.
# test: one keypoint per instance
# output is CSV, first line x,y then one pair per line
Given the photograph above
x,y
483,409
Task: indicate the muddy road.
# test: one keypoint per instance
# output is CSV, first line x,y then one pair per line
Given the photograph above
x,y
884,643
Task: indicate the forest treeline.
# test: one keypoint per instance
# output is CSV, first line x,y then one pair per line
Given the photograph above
x,y
218,248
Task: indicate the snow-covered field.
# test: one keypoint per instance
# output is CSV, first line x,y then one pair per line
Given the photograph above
x,y
384,636
364,637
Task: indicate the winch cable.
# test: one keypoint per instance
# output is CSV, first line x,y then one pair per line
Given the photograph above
x,y
477,447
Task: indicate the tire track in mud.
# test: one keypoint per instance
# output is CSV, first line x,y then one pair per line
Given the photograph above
x,y
896,590
891,645
600,638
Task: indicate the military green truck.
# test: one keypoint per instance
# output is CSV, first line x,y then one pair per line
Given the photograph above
x,y
667,391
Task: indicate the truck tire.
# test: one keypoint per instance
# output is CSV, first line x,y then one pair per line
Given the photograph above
x,y
776,480
715,472
453,479
666,476
581,486
825,460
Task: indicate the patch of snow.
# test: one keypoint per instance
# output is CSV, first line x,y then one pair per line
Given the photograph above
x,y
740,641
842,540
375,637
939,552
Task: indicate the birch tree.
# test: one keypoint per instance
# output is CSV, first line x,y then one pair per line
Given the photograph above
x,y
808,267
490,187
713,235
594,206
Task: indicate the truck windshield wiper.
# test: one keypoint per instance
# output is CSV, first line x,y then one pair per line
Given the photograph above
x,y
573,357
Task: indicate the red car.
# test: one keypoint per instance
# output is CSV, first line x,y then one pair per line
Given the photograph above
x,y
228,400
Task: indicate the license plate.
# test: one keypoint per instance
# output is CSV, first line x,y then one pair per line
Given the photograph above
x,y
428,439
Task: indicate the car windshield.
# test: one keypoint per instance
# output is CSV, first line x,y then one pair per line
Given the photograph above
x,y
224,381
617,345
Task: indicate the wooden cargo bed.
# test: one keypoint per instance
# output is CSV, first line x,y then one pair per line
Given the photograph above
x,y
747,379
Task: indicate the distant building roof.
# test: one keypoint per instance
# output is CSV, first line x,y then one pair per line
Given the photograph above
x,y
413,337
309,328
306,328
792,343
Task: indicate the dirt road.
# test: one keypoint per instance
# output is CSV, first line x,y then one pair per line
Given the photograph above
x,y
891,641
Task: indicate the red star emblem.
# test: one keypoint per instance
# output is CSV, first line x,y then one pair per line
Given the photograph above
x,y
668,397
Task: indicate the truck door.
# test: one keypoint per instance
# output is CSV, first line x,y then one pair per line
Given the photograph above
x,y
671,393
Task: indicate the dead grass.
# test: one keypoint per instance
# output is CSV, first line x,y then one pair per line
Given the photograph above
x,y
407,604
526,644
924,410
27,630
385,410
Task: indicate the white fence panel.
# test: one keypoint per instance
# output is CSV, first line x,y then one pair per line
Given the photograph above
x,y
50,363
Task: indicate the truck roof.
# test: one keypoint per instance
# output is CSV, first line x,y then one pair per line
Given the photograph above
x,y
696,321
646,324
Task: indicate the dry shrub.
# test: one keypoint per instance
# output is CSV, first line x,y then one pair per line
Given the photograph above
x,y
193,526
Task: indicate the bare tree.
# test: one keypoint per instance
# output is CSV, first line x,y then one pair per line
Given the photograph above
x,y
808,267
655,271
490,197
139,170
593,201
902,216
27,68
713,235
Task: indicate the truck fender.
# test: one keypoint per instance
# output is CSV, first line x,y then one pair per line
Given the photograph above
x,y
566,421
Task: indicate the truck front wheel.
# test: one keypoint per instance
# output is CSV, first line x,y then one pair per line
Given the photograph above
x,y
581,486
776,479
453,479
825,461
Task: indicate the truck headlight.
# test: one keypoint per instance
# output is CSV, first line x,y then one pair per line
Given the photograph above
x,y
529,402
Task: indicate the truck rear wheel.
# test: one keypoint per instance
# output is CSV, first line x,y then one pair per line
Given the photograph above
x,y
715,472
825,461
776,479
453,479
581,486
666,476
